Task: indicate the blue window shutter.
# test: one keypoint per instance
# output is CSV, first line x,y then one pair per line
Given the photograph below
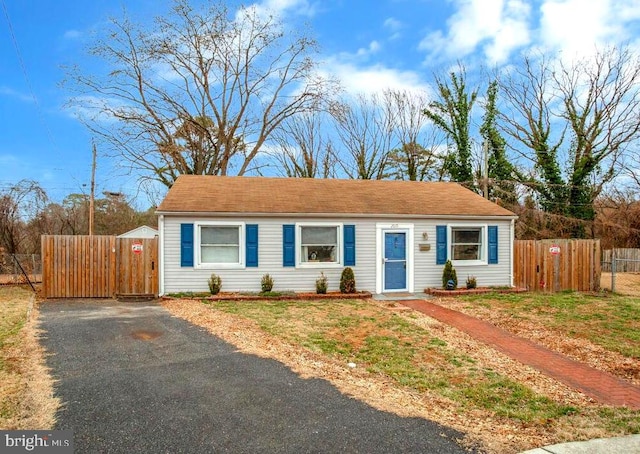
x,y
289,245
493,244
251,240
441,244
349,232
186,244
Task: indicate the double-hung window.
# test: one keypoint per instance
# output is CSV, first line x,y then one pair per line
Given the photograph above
x,y
319,243
220,244
468,244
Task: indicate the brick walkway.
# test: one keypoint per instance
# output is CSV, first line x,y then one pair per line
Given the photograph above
x,y
601,386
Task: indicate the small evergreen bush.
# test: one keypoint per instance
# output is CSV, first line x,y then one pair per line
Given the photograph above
x,y
449,277
271,294
347,281
215,284
266,284
471,282
321,284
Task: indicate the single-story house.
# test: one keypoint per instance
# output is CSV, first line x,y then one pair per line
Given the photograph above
x,y
396,235
144,231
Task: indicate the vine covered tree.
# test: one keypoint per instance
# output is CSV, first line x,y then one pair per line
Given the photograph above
x,y
528,119
200,91
451,112
578,116
501,171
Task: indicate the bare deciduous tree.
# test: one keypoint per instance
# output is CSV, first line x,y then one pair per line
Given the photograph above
x,y
18,205
416,158
617,222
199,92
365,128
114,215
303,147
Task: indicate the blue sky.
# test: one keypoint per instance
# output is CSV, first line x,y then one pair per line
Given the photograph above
x,y
369,44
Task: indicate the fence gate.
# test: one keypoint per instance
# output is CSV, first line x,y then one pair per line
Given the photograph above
x,y
556,265
83,266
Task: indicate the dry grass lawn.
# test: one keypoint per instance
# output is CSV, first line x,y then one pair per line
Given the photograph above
x,y
26,394
626,283
414,366
601,330
405,362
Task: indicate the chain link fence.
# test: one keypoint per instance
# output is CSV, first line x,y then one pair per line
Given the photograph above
x,y
620,274
20,269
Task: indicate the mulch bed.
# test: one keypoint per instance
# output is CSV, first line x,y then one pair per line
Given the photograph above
x,y
286,296
473,291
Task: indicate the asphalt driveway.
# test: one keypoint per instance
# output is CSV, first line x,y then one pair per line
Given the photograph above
x,y
133,378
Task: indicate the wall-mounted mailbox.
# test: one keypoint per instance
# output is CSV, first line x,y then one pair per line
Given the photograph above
x,y
425,247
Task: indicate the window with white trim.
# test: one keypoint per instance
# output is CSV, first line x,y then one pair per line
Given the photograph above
x,y
319,243
467,244
220,244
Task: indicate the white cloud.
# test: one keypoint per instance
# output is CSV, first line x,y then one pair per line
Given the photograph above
x,y
435,43
72,34
498,27
374,47
95,108
8,159
361,55
569,26
280,7
10,92
374,78
512,32
394,26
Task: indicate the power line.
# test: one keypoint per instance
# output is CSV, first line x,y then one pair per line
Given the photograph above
x,y
23,67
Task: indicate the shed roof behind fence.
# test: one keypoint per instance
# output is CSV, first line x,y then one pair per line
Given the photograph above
x,y
260,195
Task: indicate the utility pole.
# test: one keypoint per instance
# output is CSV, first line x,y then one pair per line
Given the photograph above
x,y
93,190
485,149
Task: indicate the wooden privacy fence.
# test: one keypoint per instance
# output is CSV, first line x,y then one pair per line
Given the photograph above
x,y
627,260
556,265
83,266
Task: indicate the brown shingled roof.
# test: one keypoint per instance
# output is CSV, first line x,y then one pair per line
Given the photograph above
x,y
260,195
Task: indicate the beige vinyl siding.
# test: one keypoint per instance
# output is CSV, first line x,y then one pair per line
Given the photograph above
x,y
426,272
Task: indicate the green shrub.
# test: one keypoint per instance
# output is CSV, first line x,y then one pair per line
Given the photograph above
x,y
471,282
271,294
347,281
215,284
449,277
266,284
321,284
